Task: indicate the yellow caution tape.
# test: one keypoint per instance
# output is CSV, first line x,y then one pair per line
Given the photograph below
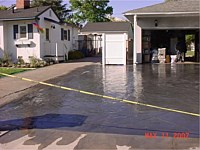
x,y
103,96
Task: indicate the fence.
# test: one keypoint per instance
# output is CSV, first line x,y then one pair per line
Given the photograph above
x,y
55,50
90,47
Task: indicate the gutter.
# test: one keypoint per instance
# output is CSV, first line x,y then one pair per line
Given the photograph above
x,y
16,19
102,31
160,13
51,20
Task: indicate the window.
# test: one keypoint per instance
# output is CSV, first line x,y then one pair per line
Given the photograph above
x,y
62,34
15,32
65,34
68,35
47,34
30,31
23,31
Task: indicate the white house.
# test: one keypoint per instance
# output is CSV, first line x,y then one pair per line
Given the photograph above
x,y
163,25
35,32
115,39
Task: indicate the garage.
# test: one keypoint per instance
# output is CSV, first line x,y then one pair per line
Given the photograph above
x,y
164,26
115,44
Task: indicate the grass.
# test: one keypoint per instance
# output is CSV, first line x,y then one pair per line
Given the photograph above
x,y
11,70
189,54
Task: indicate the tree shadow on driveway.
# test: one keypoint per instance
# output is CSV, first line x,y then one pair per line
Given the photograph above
x,y
47,121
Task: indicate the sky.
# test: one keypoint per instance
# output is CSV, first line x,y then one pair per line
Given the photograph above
x,y
119,6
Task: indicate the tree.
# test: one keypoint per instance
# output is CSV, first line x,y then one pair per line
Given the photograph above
x,y
170,0
91,10
115,19
3,7
190,38
57,6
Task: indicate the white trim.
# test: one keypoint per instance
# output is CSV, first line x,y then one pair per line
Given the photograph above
x,y
160,13
124,49
134,41
100,32
103,48
168,28
16,19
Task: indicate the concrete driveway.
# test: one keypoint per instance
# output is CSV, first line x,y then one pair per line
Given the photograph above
x,y
45,117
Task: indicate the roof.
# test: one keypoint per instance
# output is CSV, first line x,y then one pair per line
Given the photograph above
x,y
70,24
106,27
169,7
29,13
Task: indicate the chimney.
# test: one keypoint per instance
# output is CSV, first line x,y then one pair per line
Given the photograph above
x,y
22,4
13,9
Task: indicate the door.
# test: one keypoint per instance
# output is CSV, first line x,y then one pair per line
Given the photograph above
x,y
115,49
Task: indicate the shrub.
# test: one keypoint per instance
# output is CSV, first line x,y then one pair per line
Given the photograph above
x,y
1,62
35,62
20,61
75,55
6,60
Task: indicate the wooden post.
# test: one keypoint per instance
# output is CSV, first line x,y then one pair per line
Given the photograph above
x,y
56,52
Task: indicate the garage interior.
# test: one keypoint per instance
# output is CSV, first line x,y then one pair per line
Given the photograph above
x,y
155,39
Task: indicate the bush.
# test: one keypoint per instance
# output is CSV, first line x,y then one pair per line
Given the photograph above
x,y
75,55
20,61
35,62
6,60
1,62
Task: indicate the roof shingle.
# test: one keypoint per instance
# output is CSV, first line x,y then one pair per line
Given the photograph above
x,y
170,6
106,26
29,13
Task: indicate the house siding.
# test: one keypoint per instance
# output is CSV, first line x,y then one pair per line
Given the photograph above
x,y
49,47
63,46
39,46
23,50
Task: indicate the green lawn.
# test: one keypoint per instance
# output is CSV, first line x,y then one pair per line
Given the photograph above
x,y
189,54
11,70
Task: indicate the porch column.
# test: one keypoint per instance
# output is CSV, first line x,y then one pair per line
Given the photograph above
x,y
137,49
2,40
56,52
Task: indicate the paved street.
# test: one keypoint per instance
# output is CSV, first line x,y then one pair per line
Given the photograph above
x,y
45,117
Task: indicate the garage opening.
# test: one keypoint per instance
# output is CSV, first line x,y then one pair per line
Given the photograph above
x,y
152,40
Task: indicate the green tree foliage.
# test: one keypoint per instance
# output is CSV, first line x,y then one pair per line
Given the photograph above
x,y
171,0
3,7
91,10
57,6
189,39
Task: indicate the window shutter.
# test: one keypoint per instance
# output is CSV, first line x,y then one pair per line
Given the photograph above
x,y
30,31
15,32
68,35
62,34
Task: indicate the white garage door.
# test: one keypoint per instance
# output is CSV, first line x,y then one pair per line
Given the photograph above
x,y
115,49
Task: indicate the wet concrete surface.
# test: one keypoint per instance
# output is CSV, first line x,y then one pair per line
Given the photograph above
x,y
174,86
